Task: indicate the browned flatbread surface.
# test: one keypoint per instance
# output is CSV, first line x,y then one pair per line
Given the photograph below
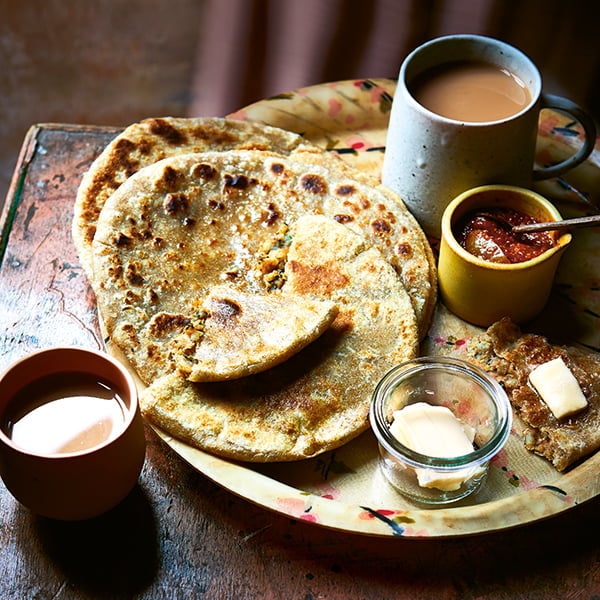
x,y
319,398
151,140
510,356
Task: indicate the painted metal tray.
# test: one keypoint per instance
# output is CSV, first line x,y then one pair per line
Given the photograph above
x,y
344,489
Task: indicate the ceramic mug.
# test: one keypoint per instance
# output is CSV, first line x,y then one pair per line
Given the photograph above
x,y
431,159
482,292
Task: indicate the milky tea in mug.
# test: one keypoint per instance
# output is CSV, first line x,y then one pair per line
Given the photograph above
x,y
465,113
471,91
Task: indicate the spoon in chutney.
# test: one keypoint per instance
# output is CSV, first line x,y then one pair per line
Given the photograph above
x,y
565,224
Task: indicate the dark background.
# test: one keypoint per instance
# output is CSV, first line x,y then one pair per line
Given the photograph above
x,y
113,62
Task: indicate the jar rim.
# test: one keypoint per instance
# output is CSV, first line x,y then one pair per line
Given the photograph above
x,y
416,459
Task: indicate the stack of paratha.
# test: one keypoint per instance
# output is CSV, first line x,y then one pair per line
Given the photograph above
x,y
258,286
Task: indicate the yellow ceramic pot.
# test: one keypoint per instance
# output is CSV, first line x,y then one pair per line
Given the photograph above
x,y
482,292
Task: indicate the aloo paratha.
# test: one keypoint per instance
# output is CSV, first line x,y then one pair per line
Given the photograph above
x,y
150,140
318,399
178,228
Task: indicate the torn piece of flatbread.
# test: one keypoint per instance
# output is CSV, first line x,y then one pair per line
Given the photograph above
x,y
510,356
236,334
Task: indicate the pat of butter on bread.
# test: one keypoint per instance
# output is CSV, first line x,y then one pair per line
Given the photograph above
x,y
558,388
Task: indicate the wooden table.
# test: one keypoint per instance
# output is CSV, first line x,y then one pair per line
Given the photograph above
x,y
178,535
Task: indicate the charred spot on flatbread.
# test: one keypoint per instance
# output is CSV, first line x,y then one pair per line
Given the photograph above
x,y
132,274
237,182
124,148
277,168
315,184
176,203
121,240
204,171
381,226
167,323
166,131
169,179
404,249
345,190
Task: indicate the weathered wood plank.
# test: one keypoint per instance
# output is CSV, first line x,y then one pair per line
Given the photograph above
x,y
178,535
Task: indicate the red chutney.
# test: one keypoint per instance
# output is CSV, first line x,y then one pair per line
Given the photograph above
x,y
481,233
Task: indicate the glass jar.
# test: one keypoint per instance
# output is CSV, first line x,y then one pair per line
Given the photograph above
x,y
475,398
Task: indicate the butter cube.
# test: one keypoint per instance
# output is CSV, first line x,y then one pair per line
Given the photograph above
x,y
435,431
431,430
558,388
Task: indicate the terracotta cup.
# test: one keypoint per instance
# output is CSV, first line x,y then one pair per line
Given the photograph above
x,y
481,292
81,484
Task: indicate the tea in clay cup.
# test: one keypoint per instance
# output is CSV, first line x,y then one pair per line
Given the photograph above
x,y
482,292
66,463
430,159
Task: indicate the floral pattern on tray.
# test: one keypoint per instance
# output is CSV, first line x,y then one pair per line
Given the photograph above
x,y
344,489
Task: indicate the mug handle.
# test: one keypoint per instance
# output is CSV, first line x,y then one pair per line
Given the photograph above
x,y
589,127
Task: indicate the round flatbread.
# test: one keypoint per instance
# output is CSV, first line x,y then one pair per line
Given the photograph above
x,y
144,143
184,225
320,398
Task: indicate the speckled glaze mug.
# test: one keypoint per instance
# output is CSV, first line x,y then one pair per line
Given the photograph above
x,y
431,159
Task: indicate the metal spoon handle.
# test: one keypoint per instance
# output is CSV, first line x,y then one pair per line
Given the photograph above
x,y
559,225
